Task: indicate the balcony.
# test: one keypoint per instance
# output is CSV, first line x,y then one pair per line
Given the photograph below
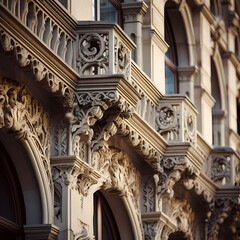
x,y
176,119
224,167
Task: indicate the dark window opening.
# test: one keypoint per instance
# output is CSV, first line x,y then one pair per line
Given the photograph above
x,y
11,207
105,226
108,10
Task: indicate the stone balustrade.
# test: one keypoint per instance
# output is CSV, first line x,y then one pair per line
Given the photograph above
x,y
176,119
103,48
224,167
45,24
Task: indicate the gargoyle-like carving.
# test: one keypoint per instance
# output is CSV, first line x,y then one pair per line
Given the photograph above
x,y
93,54
23,116
221,169
167,122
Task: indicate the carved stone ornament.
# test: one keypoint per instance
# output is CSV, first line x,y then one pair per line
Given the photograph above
x,y
150,230
167,122
22,116
84,231
172,168
90,108
221,207
93,54
122,58
189,127
182,216
79,179
148,195
221,169
28,59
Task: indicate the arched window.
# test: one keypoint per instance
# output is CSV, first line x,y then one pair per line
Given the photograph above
x,y
171,78
108,10
105,227
11,201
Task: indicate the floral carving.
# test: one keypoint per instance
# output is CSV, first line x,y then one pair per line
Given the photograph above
x,y
221,169
168,122
23,116
183,216
150,230
189,127
170,172
122,58
93,54
220,210
148,195
78,178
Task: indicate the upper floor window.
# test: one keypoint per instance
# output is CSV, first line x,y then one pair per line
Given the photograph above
x,y
171,78
107,10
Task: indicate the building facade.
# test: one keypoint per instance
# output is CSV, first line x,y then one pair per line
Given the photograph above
x,y
120,119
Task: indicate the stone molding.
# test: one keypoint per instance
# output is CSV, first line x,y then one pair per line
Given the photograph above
x,y
134,11
24,117
41,231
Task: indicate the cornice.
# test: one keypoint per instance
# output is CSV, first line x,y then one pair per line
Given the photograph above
x,y
135,7
109,82
23,36
159,40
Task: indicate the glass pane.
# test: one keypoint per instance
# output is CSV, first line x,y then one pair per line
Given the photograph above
x,y
169,80
108,12
169,53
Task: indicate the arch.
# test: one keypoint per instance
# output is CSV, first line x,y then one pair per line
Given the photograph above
x,y
25,134
121,190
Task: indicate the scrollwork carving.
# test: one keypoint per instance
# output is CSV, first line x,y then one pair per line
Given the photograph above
x,y
221,169
189,127
167,122
150,230
93,54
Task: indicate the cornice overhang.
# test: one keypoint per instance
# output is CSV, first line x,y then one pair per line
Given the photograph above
x,y
109,83
33,53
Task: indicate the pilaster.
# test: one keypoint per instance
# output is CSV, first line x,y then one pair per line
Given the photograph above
x,y
133,19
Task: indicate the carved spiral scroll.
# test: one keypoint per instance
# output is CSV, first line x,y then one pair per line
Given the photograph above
x,y
166,117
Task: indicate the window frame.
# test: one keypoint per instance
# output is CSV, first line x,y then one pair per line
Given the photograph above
x,y
172,65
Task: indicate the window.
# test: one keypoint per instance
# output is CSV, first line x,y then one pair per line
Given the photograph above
x,y
171,78
105,227
11,216
107,10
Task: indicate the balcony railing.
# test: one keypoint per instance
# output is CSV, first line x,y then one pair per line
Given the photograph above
x,y
224,167
45,24
103,48
176,119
